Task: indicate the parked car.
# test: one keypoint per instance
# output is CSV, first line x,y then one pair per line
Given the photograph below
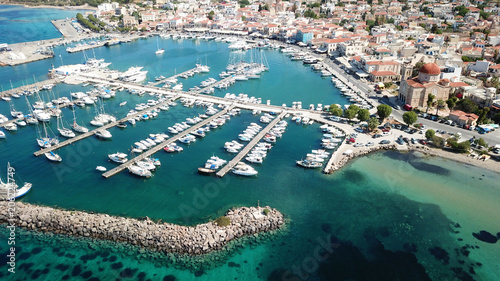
x,y
370,143
397,107
377,136
424,142
358,144
405,139
385,142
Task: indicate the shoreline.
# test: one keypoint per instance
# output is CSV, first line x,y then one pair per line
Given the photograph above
x,y
491,164
162,237
45,6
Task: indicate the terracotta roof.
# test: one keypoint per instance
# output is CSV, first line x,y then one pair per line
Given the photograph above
x,y
458,84
383,73
430,68
463,115
415,83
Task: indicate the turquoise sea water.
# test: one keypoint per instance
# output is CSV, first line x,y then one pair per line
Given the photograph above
x,y
387,216
18,24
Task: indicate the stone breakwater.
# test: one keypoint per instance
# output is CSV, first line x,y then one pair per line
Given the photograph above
x,y
345,158
163,237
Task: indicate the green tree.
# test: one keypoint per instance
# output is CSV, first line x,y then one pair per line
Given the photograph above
x,y
451,102
384,111
467,105
350,113
211,15
496,118
430,100
363,114
438,141
243,3
481,142
243,18
373,123
410,117
335,110
310,14
440,104
429,134
417,67
461,10
482,115
354,107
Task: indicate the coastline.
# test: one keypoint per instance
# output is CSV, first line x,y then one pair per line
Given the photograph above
x,y
44,6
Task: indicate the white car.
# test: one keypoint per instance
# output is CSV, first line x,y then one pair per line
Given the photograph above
x,y
358,144
370,144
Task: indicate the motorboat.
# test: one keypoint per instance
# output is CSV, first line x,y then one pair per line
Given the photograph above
x,y
2,134
101,169
53,157
103,134
173,147
243,169
309,164
139,171
11,127
118,157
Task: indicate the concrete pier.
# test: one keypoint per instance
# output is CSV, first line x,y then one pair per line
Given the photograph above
x,y
249,146
171,77
7,93
105,127
160,146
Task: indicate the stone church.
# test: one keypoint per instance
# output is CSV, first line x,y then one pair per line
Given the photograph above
x,y
415,91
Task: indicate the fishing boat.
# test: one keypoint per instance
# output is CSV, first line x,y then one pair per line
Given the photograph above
x,y
10,189
53,157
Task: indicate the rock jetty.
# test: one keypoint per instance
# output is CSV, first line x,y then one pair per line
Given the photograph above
x,y
163,237
345,158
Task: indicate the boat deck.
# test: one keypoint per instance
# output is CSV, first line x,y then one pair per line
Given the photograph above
x,y
160,146
156,83
8,93
222,172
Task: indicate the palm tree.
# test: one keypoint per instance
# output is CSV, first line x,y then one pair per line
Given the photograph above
x,y
430,99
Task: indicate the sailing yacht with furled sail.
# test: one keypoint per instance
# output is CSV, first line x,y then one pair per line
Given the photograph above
x,y
76,127
10,189
44,140
158,50
65,132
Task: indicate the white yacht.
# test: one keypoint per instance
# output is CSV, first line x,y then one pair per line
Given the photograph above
x,y
103,134
243,169
101,169
138,171
118,157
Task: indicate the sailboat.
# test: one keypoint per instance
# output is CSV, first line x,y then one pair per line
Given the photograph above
x,y
158,50
53,157
45,141
10,189
30,119
76,127
65,132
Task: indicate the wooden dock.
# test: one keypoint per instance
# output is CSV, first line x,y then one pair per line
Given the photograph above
x,y
222,172
160,146
105,127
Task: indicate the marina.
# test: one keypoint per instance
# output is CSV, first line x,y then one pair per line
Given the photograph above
x,y
93,132
224,170
160,146
364,201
